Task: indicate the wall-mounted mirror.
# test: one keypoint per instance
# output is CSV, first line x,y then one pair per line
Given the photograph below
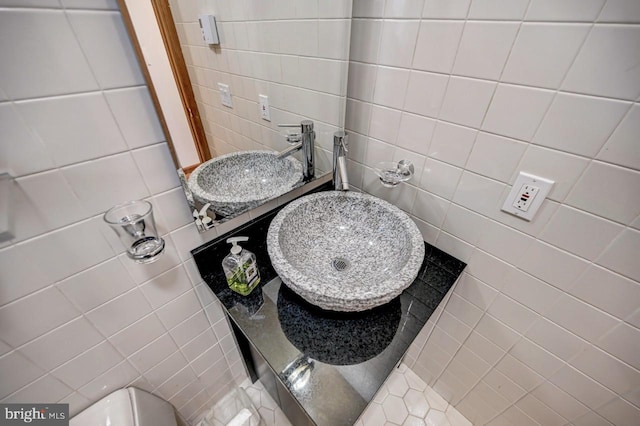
x,y
282,62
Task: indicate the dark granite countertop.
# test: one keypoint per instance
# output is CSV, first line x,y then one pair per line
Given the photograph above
x,y
339,360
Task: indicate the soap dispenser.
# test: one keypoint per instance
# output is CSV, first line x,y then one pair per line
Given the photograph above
x,y
241,268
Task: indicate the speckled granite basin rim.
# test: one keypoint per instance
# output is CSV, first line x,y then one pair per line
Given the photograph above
x,y
234,182
345,251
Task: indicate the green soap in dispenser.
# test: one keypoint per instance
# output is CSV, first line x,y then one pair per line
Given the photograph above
x,y
241,268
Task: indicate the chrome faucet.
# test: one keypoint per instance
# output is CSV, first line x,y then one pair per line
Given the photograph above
x,y
340,177
305,141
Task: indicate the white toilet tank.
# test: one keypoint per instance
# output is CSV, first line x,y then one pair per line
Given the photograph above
x,y
127,407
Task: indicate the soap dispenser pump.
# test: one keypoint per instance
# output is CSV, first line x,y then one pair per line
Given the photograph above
x,y
240,268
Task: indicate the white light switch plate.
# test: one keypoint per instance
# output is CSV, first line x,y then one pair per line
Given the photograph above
x,y
526,196
264,107
225,95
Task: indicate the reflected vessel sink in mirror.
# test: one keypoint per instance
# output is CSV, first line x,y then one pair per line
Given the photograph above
x,y
345,251
243,180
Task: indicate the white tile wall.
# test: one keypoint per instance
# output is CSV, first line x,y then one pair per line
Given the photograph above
x,y
77,318
294,52
542,327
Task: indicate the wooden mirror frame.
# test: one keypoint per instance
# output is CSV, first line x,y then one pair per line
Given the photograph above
x,y
169,35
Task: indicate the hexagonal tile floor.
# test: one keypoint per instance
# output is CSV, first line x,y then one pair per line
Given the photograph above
x,y
404,399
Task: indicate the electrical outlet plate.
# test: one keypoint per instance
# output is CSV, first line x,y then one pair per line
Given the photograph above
x,y
264,107
225,95
527,195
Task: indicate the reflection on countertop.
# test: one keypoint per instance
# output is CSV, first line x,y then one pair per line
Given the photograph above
x,y
332,363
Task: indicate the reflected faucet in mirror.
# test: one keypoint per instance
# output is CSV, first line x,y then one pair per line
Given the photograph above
x,y
305,141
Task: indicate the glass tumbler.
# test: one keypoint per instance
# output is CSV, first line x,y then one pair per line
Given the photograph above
x,y
133,223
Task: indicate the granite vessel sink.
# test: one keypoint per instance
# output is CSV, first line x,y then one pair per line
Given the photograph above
x,y
345,251
242,180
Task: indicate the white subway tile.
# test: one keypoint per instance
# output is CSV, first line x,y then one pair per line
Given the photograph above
x,y
109,381
608,191
136,116
21,152
466,101
621,255
564,169
560,401
403,9
519,373
620,412
537,59
517,111
173,208
581,318
503,242
166,287
579,232
153,353
85,367
62,344
43,202
503,385
463,310
368,8
512,313
605,63
452,143
34,315
620,11
568,10
539,412
144,272
529,291
497,332
607,291
46,389
103,183
357,116
478,193
188,329
484,49
385,123
119,312
437,45
378,151
581,387
623,341
165,369
605,369
17,371
498,9
430,208
591,419
74,128
132,338
455,246
91,4
445,9
551,265
390,87
490,147
365,39
397,43
556,340
183,306
333,38
475,291
440,178
462,223
483,266
337,9
621,148
362,80
425,93
579,124
204,343
415,133
106,45
31,3
48,38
